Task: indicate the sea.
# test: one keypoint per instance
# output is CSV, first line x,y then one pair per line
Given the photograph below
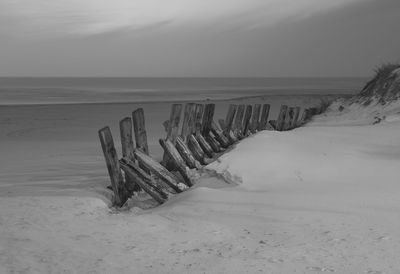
x,y
30,91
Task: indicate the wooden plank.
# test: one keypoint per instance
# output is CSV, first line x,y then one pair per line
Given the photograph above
x,y
140,130
281,118
255,118
196,150
188,120
176,158
264,117
198,118
208,117
219,136
149,186
186,154
157,169
230,115
237,127
296,117
114,171
246,120
205,146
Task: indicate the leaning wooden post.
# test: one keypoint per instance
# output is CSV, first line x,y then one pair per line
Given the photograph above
x,y
125,127
246,120
237,128
255,118
281,118
264,117
296,117
172,130
111,157
289,119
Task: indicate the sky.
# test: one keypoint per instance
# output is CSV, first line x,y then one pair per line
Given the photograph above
x,y
197,38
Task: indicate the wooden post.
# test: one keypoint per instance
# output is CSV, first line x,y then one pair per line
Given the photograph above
x,y
296,117
140,130
143,180
230,115
176,158
125,127
237,129
157,169
208,117
184,151
255,118
172,131
289,119
246,120
205,146
281,118
198,118
303,118
196,150
188,120
216,147
264,117
114,171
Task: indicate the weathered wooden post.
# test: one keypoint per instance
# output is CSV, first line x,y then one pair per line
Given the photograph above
x,y
140,130
281,118
296,117
230,115
208,117
219,135
255,118
172,130
246,120
186,153
237,128
188,120
303,118
114,171
288,119
125,127
264,117
198,118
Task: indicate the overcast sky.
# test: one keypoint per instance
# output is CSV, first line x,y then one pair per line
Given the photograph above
x,y
201,38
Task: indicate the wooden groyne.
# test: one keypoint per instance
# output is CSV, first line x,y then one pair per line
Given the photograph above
x,y
187,147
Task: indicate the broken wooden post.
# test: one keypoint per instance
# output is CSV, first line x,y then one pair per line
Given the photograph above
x,y
196,150
172,130
143,180
188,120
281,118
176,158
264,117
157,169
246,120
219,136
140,130
216,147
255,118
205,146
114,171
237,127
296,117
125,127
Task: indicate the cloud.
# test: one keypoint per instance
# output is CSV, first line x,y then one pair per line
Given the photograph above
x,y
88,17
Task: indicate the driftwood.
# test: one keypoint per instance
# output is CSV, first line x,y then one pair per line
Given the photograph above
x,y
143,180
246,120
186,154
255,118
281,118
264,117
177,160
237,126
114,171
157,169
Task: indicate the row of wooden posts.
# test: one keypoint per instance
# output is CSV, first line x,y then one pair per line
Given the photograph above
x,y
196,143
